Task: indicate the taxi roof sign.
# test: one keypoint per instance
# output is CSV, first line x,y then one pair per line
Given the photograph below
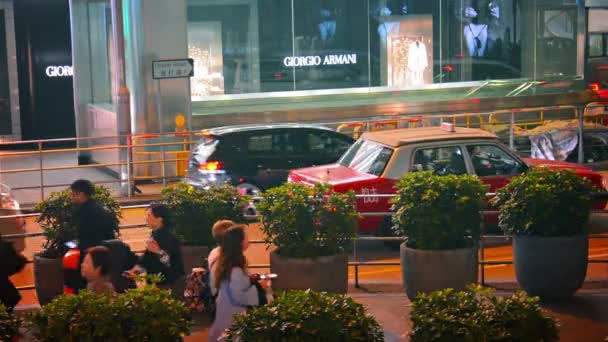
x,y
448,127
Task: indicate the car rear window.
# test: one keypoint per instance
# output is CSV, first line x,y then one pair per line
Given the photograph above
x,y
367,156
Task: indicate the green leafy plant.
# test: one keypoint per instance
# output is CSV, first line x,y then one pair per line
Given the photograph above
x,y
9,324
308,222
58,221
151,314
478,316
85,317
143,314
195,210
306,316
438,212
543,202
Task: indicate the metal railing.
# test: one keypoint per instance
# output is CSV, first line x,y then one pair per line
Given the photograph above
x,y
138,143
189,138
356,264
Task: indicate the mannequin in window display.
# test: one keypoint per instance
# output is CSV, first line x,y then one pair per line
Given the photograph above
x,y
327,26
475,34
417,62
499,30
385,26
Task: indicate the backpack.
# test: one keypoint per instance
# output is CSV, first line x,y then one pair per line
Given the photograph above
x,y
198,295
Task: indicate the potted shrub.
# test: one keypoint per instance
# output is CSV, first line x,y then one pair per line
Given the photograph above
x,y
59,226
195,210
477,315
547,214
440,218
306,316
143,314
9,325
312,229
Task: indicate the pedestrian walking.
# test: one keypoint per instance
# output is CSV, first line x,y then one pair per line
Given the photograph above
x,y
219,228
236,288
12,263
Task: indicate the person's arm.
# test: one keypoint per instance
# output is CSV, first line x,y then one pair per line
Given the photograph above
x,y
12,262
241,290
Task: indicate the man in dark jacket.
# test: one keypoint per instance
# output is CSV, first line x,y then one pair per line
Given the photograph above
x,y
95,222
12,262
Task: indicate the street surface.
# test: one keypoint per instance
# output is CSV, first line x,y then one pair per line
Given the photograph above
x,y
366,251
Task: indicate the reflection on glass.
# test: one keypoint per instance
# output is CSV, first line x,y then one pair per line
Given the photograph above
x,y
329,34
205,48
257,46
596,45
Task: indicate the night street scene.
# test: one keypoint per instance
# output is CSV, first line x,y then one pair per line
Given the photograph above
x,y
304,170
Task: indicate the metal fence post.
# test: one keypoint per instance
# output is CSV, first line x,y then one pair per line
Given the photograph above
x,y
511,128
581,125
356,263
482,249
41,171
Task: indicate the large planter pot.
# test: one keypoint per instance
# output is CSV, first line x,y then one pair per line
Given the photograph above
x,y
328,273
551,267
48,278
193,256
431,270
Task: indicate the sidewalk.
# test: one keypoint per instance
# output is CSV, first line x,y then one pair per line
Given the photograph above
x,y
582,319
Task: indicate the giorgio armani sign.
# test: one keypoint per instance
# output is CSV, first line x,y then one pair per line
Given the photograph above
x,y
59,71
304,61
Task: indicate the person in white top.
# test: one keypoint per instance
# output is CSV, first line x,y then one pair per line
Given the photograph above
x,y
218,230
236,288
417,62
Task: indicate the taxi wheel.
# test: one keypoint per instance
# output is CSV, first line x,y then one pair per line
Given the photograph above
x,y
386,231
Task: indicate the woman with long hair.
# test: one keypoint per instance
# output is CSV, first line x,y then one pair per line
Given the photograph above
x,y
236,288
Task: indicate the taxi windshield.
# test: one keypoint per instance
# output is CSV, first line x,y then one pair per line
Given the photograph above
x,y
367,156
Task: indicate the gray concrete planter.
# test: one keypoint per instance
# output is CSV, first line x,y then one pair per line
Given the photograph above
x,y
551,267
431,270
193,256
329,273
48,278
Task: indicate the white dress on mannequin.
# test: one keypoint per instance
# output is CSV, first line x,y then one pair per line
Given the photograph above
x,y
476,37
417,62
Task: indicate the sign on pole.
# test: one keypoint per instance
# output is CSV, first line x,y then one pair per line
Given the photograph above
x,y
173,68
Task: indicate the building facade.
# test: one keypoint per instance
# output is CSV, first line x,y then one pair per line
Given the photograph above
x,y
259,61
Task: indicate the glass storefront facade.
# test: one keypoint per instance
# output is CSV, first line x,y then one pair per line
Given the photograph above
x,y
260,48
322,60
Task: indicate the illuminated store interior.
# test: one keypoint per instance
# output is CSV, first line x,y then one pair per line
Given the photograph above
x,y
290,56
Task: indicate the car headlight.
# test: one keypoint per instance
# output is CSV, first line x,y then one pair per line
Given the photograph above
x,y
289,180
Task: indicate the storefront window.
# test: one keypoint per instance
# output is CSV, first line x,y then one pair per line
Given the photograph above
x,y
262,46
332,37
596,45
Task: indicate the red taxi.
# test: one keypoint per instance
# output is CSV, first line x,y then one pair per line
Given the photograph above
x,y
375,163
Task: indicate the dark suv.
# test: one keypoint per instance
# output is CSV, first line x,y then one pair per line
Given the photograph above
x,y
258,157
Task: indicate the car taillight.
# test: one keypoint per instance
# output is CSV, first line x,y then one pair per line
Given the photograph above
x,y
210,166
604,183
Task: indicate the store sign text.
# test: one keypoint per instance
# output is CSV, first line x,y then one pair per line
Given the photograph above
x,y
303,61
59,71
